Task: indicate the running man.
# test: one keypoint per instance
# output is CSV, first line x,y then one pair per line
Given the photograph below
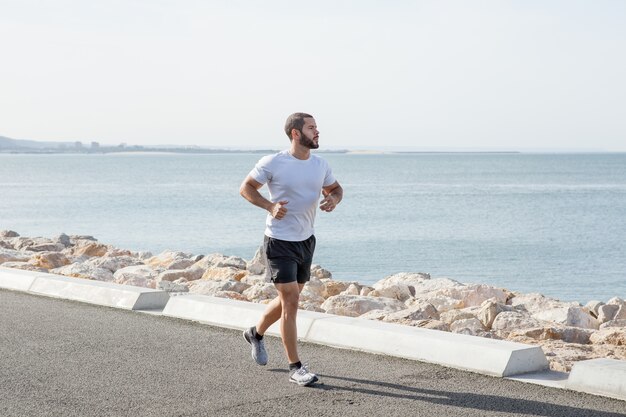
x,y
296,180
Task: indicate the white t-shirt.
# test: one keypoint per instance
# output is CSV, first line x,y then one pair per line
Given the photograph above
x,y
297,181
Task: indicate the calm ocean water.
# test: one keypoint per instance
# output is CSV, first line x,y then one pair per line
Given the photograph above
x,y
548,223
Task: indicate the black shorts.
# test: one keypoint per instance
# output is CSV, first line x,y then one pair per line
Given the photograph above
x,y
288,261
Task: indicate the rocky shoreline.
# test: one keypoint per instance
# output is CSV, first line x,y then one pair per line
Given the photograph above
x,y
566,331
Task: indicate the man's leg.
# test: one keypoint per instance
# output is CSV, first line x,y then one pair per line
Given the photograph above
x,y
289,295
272,314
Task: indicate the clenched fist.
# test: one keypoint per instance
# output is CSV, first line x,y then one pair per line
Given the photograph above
x,y
278,210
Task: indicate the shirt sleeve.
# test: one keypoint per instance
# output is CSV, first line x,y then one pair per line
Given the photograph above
x,y
329,179
261,171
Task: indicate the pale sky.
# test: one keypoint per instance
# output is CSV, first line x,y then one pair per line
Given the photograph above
x,y
375,74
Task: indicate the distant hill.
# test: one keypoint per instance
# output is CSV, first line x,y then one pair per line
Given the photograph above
x,y
18,144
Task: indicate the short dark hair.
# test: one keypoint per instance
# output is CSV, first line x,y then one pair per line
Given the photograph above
x,y
295,121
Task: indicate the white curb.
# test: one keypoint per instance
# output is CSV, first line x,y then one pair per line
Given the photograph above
x,y
605,377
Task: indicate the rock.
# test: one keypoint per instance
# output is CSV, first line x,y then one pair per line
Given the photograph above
x,y
567,334
388,289
616,301
451,316
569,316
217,260
471,326
608,324
409,279
433,325
353,289
169,286
36,244
212,287
311,296
190,274
423,311
63,239
537,303
223,273
4,234
621,313
230,295
607,312
593,306
443,303
78,239
335,287
90,249
489,309
256,266
254,279
609,336
49,260
433,287
319,272
474,294
114,263
135,274
84,271
509,321
259,292
10,255
365,290
170,260
309,306
26,266
141,255
135,281
356,305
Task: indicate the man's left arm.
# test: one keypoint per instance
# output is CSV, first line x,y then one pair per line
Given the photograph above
x,y
333,194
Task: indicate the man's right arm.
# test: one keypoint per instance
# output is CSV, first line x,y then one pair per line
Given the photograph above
x,y
250,191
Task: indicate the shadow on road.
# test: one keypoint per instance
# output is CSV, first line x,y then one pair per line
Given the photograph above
x,y
456,399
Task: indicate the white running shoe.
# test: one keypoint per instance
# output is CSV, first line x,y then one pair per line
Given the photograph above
x,y
303,376
259,354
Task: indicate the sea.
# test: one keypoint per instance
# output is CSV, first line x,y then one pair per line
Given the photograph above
x,y
553,224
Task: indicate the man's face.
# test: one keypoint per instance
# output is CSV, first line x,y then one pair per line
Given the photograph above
x,y
310,135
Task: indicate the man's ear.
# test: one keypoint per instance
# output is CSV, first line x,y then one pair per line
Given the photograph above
x,y
295,133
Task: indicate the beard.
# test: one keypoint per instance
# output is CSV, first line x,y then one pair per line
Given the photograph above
x,y
307,142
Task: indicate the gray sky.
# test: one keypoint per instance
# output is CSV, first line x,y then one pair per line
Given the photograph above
x,y
376,74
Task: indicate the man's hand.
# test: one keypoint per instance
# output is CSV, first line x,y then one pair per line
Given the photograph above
x,y
278,210
329,203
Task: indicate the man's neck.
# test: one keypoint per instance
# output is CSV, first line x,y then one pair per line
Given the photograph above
x,y
299,152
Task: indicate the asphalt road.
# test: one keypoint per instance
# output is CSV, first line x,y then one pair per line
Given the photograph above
x,y
62,358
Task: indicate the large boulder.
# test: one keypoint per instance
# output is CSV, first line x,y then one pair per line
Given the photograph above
x,y
489,309
84,271
49,260
213,287
537,303
256,266
356,305
409,316
332,287
170,260
26,266
11,255
190,274
217,260
471,326
89,248
320,273
607,312
609,336
138,275
223,273
5,234
509,321
568,316
114,263
387,289
261,292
